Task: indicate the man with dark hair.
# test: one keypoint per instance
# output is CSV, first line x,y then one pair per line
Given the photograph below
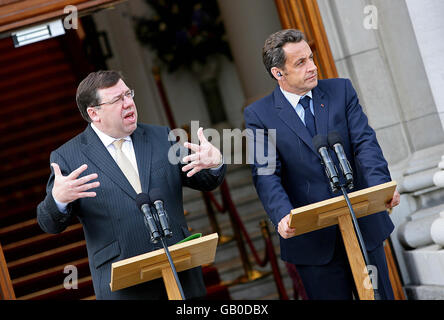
x,y
300,108
97,175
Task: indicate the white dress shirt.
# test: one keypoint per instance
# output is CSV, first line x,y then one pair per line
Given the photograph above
x,y
127,146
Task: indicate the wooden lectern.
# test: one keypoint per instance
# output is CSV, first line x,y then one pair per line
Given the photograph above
x,y
153,265
335,211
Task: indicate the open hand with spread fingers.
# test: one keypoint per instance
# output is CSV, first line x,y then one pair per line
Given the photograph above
x,y
205,156
69,188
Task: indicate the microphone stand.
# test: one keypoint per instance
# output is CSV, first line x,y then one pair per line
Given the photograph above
x,y
360,238
170,260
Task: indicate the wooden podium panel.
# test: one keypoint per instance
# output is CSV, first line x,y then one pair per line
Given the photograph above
x,y
325,213
153,265
333,211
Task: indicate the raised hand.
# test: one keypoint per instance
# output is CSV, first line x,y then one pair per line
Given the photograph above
x,y
205,155
69,188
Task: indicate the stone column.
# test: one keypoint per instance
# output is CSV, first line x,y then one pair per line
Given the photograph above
x,y
130,58
248,23
426,17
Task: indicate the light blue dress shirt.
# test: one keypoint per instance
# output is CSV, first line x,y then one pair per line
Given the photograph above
x,y
294,101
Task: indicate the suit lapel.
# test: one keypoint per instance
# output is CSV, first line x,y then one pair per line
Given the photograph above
x,y
142,148
94,149
320,106
289,116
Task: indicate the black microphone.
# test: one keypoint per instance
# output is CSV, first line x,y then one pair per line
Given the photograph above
x,y
321,146
143,200
335,142
161,212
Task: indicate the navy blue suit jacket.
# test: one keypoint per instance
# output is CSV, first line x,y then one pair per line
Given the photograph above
x,y
113,225
299,178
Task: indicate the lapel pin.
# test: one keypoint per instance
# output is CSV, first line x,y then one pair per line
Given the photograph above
x,y
322,105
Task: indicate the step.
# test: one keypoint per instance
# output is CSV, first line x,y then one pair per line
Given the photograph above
x,y
241,194
21,206
231,270
249,205
40,101
261,289
38,62
45,145
33,76
250,221
19,230
44,129
9,53
32,277
65,107
233,177
36,90
229,251
47,259
26,164
47,278
24,179
42,243
59,292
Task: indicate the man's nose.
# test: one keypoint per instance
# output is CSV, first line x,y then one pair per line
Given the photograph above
x,y
127,102
312,66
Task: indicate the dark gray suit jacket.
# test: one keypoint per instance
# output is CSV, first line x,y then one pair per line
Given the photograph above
x,y
113,225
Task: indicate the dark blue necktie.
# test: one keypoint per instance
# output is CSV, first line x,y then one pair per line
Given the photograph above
x,y
308,117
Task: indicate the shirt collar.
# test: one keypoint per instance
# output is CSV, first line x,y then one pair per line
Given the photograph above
x,y
294,98
106,139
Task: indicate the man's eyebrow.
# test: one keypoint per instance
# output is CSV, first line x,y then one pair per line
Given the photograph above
x,y
303,58
119,95
300,59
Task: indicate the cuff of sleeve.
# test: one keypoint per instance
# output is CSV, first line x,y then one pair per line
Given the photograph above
x,y
63,207
220,165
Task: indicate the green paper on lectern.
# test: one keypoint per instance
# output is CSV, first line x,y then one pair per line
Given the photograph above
x,y
193,236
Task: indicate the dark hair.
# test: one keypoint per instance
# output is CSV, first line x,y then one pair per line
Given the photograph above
x,y
272,53
87,95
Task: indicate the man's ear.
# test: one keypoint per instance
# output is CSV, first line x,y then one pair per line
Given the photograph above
x,y
93,114
277,73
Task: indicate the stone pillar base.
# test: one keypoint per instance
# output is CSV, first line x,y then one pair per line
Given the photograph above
x,y
424,292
